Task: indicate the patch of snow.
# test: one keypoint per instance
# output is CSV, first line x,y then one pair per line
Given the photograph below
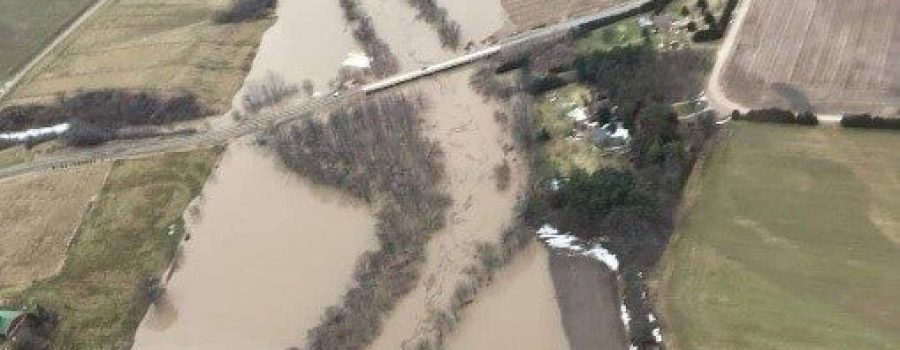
x,y
31,133
657,334
651,318
578,114
557,240
358,60
626,318
600,253
621,133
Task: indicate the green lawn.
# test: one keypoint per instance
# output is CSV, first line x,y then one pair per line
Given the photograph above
x,y
131,234
792,243
26,26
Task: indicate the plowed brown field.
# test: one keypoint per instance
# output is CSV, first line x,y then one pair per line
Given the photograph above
x,y
527,14
834,56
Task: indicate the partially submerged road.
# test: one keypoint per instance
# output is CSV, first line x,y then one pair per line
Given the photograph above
x,y
259,122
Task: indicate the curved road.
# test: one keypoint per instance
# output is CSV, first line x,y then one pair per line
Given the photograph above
x,y
717,98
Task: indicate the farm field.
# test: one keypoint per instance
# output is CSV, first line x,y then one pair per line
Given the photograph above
x,y
793,242
528,14
27,26
170,47
833,55
131,233
41,213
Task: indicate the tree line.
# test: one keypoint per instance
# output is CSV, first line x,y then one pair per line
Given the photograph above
x,y
384,63
95,116
775,115
437,17
869,121
374,151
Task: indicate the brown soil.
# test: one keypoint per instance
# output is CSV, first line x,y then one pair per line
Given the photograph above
x,y
40,213
588,299
834,56
140,44
528,14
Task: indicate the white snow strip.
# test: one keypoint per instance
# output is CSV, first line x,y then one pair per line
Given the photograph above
x,y
31,133
604,256
358,60
554,239
623,313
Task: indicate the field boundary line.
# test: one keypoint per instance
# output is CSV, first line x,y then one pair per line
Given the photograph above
x,y
8,86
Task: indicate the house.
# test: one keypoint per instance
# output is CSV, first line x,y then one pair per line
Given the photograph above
x,y
9,320
612,135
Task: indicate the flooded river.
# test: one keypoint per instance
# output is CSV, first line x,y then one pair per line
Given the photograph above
x,y
270,251
416,44
310,40
518,311
268,254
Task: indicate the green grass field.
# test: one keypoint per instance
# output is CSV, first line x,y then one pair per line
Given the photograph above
x,y
132,233
793,242
27,26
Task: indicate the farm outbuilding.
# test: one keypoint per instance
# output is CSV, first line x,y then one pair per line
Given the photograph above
x,y
8,321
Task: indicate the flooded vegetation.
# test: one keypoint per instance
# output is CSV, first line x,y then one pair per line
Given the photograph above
x,y
517,311
268,252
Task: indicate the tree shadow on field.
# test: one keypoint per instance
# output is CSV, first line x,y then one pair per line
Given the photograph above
x,y
795,99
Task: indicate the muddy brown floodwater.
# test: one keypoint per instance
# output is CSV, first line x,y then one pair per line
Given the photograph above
x,y
267,255
270,251
474,143
309,40
518,311
416,44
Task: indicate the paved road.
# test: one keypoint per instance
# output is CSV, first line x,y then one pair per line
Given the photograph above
x,y
7,87
717,98
258,122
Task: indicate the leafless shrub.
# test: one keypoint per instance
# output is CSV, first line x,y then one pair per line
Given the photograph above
x,y
486,82
150,290
308,87
374,151
502,175
35,330
437,17
245,10
523,113
267,91
501,118
105,109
